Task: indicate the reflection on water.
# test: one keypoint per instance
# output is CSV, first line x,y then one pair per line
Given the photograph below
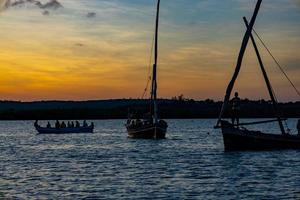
x,y
190,164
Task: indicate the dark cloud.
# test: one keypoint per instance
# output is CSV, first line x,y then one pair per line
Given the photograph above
x,y
46,12
91,15
50,5
53,4
79,44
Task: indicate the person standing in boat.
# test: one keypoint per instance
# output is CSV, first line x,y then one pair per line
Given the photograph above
x,y
236,101
298,126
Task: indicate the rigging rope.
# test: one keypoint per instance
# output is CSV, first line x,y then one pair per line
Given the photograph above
x,y
281,69
277,63
149,78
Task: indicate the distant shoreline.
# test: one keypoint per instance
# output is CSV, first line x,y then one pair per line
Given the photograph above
x,y
118,109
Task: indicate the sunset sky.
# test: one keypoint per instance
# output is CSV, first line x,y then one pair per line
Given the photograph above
x,y
100,49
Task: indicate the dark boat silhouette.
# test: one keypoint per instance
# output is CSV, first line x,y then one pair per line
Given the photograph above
x,y
67,130
149,126
236,137
242,139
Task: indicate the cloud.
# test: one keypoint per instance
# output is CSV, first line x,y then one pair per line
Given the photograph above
x,y
197,48
46,12
79,44
53,4
50,5
91,15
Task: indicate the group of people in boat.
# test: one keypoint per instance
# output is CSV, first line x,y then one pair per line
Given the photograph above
x,y
69,124
136,120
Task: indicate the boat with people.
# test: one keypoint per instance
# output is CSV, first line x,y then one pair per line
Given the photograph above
x,y
148,125
235,135
62,128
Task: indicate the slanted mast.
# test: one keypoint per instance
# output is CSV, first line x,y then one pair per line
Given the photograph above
x,y
268,83
239,61
248,35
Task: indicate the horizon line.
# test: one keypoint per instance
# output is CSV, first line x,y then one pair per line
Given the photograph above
x,y
128,99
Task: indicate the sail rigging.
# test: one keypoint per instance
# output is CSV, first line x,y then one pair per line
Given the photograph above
x,y
239,138
148,126
154,75
267,80
239,61
277,63
249,35
149,74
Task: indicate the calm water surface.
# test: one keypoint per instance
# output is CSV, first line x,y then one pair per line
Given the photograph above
x,y
190,164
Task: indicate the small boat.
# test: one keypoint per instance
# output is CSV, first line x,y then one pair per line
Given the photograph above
x,y
43,130
235,136
67,130
146,130
151,127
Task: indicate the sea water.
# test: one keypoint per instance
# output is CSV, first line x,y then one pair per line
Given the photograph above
x,y
189,164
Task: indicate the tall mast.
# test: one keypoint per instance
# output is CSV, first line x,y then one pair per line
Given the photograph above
x,y
239,61
154,75
268,83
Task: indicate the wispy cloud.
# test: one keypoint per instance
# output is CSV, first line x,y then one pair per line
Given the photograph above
x,y
26,4
108,52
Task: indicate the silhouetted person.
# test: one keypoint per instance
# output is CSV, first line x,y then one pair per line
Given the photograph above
x,y
236,101
298,127
85,124
63,125
72,124
92,125
48,125
77,124
69,124
57,124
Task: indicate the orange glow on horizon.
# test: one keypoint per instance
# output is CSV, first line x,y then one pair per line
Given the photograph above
x,y
61,58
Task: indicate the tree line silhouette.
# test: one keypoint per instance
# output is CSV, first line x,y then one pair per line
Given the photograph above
x,y
174,108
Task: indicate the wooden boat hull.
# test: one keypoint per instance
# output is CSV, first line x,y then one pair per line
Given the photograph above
x,y
147,132
42,130
236,139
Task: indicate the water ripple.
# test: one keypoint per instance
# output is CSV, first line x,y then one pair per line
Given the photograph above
x,y
190,164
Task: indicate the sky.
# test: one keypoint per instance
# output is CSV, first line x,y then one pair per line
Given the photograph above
x,y
100,49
